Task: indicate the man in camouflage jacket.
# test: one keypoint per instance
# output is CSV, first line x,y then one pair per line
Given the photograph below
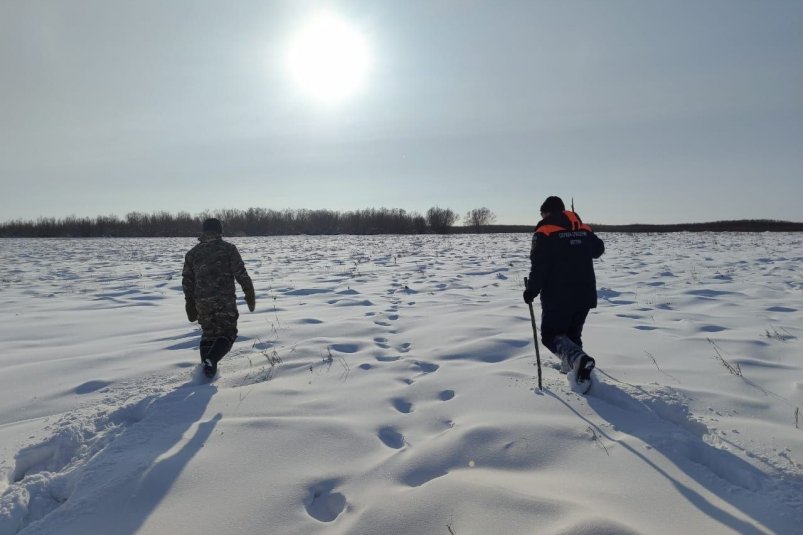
x,y
210,269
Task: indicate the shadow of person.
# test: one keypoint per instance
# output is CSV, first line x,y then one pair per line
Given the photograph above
x,y
124,483
663,424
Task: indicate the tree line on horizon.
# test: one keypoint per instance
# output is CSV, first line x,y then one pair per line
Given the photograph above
x,y
267,222
250,222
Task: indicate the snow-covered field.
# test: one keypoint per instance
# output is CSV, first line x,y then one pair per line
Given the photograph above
x,y
387,385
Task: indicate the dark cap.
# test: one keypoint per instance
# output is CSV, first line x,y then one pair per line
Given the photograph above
x,y
553,204
213,225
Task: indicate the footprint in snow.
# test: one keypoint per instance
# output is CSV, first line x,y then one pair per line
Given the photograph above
x,y
425,367
90,386
322,503
446,395
391,438
781,309
419,476
712,328
346,348
402,405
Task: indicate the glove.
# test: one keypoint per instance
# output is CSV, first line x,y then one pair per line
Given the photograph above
x,y
529,295
192,312
251,300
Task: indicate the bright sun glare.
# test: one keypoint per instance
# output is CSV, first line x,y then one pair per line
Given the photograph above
x,y
328,58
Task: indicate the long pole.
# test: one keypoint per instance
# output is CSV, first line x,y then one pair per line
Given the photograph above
x,y
535,339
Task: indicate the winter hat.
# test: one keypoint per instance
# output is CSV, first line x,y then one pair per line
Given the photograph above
x,y
213,225
553,204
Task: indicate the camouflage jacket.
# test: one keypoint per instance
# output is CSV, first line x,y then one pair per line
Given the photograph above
x,y
210,269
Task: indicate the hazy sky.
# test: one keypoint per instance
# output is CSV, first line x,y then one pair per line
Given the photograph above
x,y
643,111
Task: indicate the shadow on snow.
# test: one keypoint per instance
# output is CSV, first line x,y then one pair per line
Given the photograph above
x,y
666,428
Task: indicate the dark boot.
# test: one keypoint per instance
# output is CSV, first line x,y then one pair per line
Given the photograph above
x,y
585,365
219,348
210,368
567,350
206,345
574,358
216,351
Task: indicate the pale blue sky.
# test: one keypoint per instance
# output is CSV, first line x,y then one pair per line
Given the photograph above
x,y
643,111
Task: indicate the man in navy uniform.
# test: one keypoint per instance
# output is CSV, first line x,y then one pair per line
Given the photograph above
x,y
562,273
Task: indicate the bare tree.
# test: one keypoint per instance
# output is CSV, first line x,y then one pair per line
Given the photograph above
x,y
479,217
441,219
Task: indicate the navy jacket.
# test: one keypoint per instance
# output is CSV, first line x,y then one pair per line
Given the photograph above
x,y
562,267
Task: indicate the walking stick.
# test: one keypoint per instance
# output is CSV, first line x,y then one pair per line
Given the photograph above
x,y
535,339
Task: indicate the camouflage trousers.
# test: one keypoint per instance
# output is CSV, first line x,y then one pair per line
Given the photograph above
x,y
217,318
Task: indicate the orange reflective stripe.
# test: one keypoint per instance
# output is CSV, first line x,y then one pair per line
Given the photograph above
x,y
546,230
575,221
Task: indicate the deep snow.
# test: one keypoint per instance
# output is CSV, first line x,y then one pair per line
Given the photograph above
x,y
387,385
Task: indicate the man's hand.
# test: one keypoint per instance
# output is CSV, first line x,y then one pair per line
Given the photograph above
x,y
251,300
529,295
192,312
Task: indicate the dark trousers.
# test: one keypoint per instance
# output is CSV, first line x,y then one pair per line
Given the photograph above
x,y
218,319
556,322
215,349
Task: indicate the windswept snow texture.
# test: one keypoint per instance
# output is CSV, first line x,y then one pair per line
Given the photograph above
x,y
387,385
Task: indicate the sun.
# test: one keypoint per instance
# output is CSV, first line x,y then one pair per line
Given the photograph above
x,y
328,58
